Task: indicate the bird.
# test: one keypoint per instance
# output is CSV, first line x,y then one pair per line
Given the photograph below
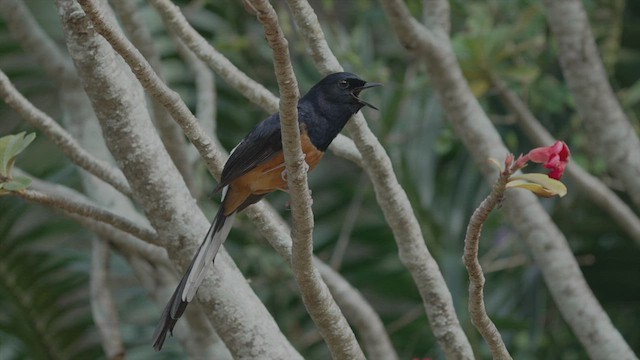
x,y
256,168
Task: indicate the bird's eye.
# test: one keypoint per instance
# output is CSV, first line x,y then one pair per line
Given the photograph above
x,y
343,84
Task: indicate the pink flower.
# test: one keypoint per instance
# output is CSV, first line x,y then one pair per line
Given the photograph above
x,y
554,157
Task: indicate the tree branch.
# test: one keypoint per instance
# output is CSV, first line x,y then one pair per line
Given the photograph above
x,y
67,144
90,211
477,310
609,130
316,296
394,203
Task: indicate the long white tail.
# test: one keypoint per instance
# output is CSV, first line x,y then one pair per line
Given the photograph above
x,y
192,279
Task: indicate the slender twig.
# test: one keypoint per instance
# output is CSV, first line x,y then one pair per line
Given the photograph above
x,y
477,310
316,296
103,307
590,185
394,203
69,146
92,212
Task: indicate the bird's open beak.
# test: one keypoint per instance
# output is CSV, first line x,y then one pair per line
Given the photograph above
x,y
357,91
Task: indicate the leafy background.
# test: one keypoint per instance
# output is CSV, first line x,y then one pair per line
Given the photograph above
x,y
45,258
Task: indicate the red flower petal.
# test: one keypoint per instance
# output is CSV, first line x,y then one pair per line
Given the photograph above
x,y
554,157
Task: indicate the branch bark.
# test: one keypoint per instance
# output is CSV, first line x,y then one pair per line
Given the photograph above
x,y
92,212
477,310
561,272
608,129
316,296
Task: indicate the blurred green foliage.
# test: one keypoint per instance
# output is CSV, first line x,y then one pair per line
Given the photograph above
x,y
491,38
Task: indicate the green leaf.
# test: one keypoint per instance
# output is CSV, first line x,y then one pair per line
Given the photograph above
x,y
10,147
539,184
17,183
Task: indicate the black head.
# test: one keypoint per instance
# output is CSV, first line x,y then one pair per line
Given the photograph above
x,y
342,88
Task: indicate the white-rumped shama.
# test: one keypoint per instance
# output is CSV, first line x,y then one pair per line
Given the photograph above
x,y
256,168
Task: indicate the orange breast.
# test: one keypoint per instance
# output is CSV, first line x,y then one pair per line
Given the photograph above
x,y
267,177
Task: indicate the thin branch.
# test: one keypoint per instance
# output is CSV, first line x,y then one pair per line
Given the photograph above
x,y
103,307
477,310
90,211
608,128
316,296
394,202
589,185
60,137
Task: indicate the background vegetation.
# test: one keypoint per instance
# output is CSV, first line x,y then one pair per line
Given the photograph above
x,y
45,257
